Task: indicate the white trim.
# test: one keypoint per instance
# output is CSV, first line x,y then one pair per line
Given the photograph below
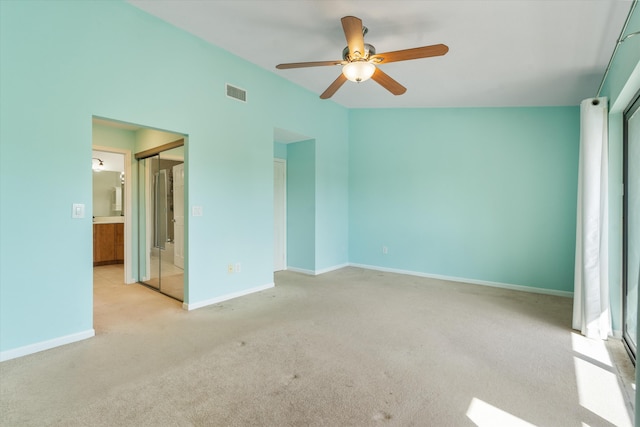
x,y
301,270
45,345
617,334
522,288
148,220
332,268
318,272
284,190
628,91
227,297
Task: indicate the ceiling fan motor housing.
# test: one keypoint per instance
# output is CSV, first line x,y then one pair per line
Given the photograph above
x,y
369,50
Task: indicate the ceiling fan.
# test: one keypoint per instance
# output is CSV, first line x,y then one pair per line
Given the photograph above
x,y
359,60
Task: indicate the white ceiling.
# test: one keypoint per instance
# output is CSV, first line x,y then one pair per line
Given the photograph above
x,y
502,53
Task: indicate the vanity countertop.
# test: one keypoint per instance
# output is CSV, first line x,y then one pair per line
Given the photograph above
x,y
108,219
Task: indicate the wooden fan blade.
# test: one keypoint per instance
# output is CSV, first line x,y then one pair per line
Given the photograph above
x,y
388,83
352,27
307,64
407,54
333,87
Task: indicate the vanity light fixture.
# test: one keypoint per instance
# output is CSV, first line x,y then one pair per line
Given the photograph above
x,y
97,167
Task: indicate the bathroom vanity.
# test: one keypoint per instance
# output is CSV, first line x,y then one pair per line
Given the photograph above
x,y
108,240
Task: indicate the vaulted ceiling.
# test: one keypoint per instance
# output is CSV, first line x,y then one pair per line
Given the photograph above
x,y
502,53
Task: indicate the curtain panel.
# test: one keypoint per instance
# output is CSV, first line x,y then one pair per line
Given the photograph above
x,y
591,309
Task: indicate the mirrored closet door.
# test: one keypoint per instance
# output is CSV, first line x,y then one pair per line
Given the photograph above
x,y
161,219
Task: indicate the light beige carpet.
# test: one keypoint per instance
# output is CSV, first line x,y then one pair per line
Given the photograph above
x,y
348,348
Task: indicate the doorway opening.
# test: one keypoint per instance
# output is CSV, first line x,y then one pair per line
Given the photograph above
x,y
294,201
112,190
118,217
108,208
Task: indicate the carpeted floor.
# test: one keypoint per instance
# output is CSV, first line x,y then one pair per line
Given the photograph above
x,y
349,348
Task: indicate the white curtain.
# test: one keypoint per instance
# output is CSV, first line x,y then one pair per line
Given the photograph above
x,y
591,311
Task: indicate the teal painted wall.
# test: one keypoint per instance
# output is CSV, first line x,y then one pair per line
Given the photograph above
x,y
64,62
152,138
107,136
279,150
486,194
301,208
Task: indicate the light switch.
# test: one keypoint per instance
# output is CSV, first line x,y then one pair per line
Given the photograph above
x,y
196,210
78,210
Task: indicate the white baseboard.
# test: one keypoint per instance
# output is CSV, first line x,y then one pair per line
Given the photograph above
x,y
333,268
45,345
301,270
200,304
565,294
317,272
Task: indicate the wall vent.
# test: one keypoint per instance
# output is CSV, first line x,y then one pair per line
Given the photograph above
x,y
236,93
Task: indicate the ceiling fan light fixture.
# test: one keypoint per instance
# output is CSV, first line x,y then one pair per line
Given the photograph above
x,y
358,71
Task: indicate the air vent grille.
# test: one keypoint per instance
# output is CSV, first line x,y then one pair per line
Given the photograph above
x,y
236,93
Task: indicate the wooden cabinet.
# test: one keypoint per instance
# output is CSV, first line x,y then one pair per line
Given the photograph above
x,y
108,244
120,243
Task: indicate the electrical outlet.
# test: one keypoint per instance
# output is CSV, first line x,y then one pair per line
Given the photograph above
x,y
385,250
238,267
230,268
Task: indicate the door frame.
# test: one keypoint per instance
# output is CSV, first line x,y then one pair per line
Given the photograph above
x,y
184,210
283,164
634,107
128,207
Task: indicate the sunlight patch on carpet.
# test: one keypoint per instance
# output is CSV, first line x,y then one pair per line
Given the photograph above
x,y
598,388
594,349
486,415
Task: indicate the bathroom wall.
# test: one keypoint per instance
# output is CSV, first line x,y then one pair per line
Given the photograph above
x,y
107,194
